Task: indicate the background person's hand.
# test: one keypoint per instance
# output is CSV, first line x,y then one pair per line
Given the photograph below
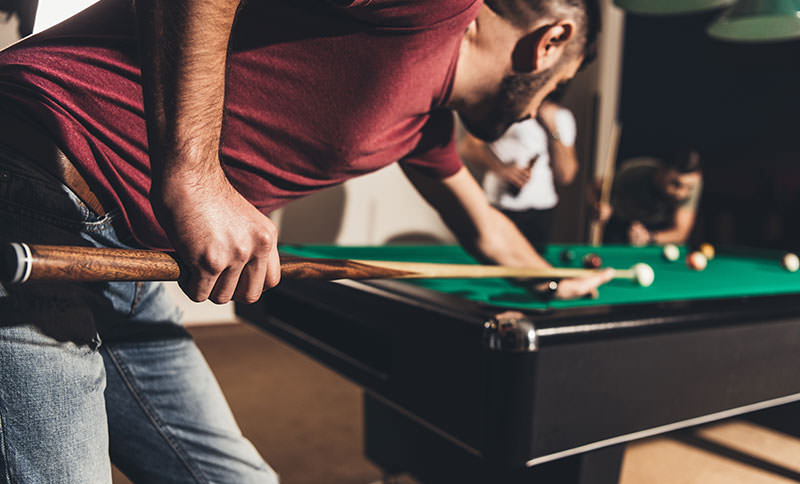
x,y
229,246
516,176
598,210
604,212
638,235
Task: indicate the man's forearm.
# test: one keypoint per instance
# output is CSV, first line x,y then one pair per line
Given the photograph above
x,y
564,162
485,232
499,241
227,244
480,228
478,152
183,50
669,236
679,232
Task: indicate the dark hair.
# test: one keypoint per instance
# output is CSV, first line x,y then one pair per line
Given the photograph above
x,y
586,13
683,160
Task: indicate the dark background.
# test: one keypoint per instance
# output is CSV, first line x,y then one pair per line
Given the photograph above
x,y
737,104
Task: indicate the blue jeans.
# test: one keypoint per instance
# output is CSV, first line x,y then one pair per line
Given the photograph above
x,y
145,398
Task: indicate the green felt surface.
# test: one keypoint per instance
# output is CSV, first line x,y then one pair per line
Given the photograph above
x,y
734,272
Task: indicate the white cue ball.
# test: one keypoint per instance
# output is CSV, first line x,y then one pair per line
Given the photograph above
x,y
643,274
671,252
791,262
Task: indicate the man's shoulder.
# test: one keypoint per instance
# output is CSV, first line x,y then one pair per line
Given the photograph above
x,y
406,14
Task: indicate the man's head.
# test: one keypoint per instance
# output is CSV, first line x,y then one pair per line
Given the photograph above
x,y
679,175
516,53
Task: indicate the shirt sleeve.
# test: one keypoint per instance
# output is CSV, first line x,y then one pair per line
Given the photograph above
x,y
436,155
567,129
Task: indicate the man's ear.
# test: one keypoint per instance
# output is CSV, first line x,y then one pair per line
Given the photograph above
x,y
540,49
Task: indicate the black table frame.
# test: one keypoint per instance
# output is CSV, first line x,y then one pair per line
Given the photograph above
x,y
457,385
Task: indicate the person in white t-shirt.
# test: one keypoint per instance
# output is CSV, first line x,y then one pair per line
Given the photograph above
x,y
525,166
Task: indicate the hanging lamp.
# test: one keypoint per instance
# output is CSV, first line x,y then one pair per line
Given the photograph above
x,y
758,21
670,7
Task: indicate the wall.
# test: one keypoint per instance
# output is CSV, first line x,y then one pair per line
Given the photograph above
x,y
373,209
51,12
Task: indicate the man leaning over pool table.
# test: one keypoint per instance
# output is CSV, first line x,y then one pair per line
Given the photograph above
x,y
178,124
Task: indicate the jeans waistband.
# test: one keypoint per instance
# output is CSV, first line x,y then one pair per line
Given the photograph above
x,y
26,138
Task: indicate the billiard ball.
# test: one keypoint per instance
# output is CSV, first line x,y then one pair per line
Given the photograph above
x,y
696,261
707,250
671,252
790,262
643,274
592,261
567,255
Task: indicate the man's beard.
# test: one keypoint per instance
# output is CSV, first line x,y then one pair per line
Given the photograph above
x,y
509,105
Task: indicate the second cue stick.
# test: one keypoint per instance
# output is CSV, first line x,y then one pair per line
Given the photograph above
x,y
596,229
20,263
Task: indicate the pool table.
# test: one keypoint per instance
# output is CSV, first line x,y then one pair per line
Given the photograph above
x,y
480,380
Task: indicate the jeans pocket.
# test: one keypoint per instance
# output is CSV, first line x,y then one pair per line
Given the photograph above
x,y
37,196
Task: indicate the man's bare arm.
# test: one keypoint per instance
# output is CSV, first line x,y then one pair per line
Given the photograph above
x,y
228,243
564,162
679,233
184,46
486,232
563,159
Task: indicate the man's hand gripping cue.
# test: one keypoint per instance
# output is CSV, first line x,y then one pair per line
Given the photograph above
x,y
228,245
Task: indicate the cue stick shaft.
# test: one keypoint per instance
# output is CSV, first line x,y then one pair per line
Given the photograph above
x,y
21,263
596,229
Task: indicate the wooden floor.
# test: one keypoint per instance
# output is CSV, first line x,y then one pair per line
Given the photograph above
x,y
306,421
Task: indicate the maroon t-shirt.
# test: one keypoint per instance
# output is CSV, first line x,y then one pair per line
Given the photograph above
x,y
318,91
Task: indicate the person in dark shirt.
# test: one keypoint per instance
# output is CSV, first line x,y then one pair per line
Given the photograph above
x,y
179,125
654,201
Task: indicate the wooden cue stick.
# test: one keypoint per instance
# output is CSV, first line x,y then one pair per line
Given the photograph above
x,y
596,229
21,263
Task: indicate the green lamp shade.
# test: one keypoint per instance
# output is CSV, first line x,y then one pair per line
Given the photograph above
x,y
758,21
670,7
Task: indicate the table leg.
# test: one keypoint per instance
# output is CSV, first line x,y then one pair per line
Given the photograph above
x,y
783,418
397,444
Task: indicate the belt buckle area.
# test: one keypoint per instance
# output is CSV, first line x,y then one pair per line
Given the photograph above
x,y
31,141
